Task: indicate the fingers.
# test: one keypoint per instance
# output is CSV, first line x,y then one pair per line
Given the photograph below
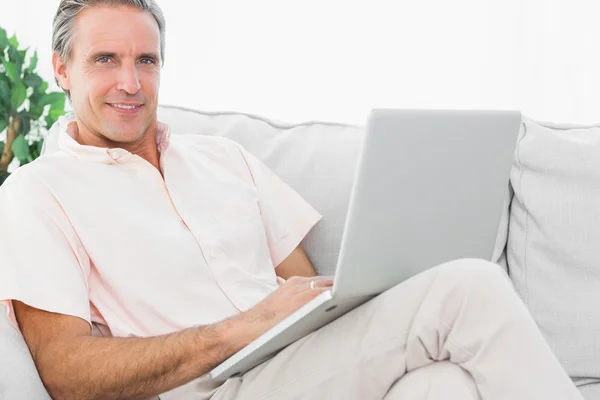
x,y
319,280
292,294
323,282
320,284
299,284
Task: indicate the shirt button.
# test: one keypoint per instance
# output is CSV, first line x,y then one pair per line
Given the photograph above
x,y
216,253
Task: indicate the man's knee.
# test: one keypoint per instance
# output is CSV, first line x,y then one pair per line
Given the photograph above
x,y
475,270
477,279
440,380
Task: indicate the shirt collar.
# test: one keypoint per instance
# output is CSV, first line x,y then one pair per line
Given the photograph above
x,y
67,143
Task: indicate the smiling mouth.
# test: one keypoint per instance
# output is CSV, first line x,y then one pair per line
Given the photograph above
x,y
125,107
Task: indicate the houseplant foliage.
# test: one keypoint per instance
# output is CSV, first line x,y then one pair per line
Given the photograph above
x,y
27,111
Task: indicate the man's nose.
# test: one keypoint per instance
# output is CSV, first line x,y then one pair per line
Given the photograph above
x,y
129,80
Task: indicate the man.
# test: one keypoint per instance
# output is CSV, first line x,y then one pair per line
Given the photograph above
x,y
173,246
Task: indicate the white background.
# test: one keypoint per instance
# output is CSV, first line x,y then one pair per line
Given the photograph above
x,y
335,60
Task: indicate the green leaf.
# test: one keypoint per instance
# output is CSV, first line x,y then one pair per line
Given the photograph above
x,y
20,148
56,113
1,150
18,95
13,41
3,176
3,40
17,58
25,125
43,87
58,108
49,121
3,124
27,114
33,80
38,146
22,56
37,96
35,111
33,62
59,103
4,92
52,98
11,71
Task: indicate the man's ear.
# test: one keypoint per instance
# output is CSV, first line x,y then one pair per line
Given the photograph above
x,y
60,72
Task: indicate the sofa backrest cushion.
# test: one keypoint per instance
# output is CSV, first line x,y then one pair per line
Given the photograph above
x,y
553,246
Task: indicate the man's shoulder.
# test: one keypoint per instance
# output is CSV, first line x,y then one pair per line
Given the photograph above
x,y
34,177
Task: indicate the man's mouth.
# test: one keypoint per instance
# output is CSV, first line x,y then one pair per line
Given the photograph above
x,y
124,108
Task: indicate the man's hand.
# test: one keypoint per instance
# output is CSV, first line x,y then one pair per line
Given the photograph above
x,y
288,298
75,365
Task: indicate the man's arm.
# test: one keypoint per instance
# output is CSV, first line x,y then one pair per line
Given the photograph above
x,y
75,365
296,264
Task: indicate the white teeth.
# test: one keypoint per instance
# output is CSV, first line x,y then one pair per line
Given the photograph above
x,y
125,107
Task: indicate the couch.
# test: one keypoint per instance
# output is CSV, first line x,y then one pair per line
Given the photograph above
x,y
547,240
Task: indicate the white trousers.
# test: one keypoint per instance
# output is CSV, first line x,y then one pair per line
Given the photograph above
x,y
457,331
437,381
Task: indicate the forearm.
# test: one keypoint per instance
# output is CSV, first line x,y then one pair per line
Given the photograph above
x,y
131,368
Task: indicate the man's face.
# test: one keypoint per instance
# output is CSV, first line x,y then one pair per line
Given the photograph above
x,y
114,72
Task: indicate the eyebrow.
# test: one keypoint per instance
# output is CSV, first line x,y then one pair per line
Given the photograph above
x,y
94,56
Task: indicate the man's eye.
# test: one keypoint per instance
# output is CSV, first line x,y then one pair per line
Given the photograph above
x,y
103,60
147,61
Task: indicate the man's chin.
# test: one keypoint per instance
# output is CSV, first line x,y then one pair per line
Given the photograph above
x,y
124,134
126,129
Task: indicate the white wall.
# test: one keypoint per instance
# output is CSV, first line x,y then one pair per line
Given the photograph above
x,y
334,59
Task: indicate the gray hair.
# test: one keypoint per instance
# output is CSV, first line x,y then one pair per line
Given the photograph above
x,y
68,10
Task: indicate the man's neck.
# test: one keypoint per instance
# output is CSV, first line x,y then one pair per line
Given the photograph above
x,y
145,148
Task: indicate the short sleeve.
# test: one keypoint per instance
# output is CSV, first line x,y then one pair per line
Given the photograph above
x,y
286,216
42,262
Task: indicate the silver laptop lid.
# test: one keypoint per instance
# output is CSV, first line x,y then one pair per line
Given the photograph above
x,y
430,187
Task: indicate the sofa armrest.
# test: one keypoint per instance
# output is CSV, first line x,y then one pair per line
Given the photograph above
x,y
19,378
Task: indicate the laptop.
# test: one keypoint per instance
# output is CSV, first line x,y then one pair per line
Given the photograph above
x,y
430,187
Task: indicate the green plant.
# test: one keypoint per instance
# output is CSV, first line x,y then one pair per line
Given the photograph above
x,y
27,111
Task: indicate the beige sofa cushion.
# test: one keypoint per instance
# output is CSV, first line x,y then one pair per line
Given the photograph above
x,y
554,239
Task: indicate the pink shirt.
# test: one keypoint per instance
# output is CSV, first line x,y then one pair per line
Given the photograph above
x,y
98,233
